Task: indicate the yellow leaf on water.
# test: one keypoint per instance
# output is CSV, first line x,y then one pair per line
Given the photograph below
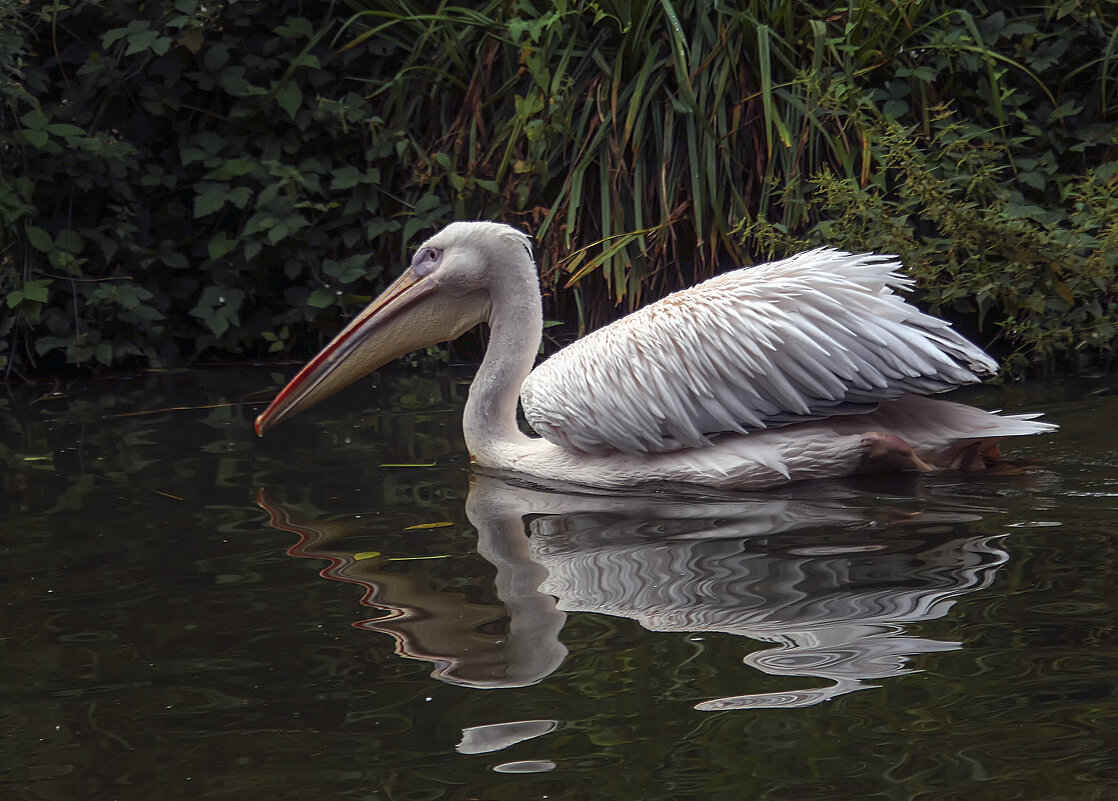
x,y
429,525
366,554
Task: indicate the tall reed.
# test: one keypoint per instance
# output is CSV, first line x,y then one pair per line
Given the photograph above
x,y
635,136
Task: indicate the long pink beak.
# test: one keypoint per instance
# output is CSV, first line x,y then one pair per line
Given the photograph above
x,y
409,315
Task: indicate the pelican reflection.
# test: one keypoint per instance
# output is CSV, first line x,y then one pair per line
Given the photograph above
x,y
829,584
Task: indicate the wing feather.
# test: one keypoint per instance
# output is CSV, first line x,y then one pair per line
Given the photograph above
x,y
819,334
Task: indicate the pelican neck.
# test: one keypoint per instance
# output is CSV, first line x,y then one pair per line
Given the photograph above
x,y
516,329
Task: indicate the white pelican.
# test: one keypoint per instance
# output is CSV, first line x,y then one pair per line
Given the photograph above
x,y
811,367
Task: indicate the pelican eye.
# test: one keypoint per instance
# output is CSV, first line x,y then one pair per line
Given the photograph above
x,y
425,261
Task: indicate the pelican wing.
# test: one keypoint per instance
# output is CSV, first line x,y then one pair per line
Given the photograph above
x,y
818,334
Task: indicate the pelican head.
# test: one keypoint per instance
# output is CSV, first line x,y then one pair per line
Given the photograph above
x,y
443,294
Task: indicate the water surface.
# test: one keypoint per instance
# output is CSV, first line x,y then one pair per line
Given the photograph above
x,y
344,609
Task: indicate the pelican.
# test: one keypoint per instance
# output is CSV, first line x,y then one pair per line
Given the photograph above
x,y
806,368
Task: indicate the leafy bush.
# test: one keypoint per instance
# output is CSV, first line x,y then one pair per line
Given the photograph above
x,y
184,178
1045,279
190,181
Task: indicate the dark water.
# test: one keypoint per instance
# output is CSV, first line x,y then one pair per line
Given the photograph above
x,y
340,611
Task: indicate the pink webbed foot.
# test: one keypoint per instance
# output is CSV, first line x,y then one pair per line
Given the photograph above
x,y
890,453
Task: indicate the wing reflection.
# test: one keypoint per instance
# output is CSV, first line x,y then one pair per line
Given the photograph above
x,y
829,583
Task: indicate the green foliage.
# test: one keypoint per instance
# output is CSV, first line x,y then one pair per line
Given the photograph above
x,y
1045,279
183,178
186,184
636,134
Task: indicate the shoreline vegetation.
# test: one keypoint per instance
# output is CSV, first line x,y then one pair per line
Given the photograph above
x,y
185,180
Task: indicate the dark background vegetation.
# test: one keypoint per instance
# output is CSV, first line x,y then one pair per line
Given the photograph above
x,y
192,179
